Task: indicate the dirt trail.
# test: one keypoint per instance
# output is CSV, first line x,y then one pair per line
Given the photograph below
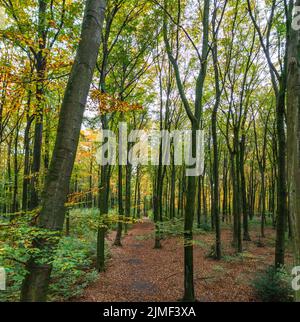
x,y
137,272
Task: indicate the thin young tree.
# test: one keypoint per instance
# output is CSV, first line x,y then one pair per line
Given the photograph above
x,y
279,83
196,123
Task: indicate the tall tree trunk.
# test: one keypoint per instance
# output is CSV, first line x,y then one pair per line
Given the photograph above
x,y
26,171
15,205
199,203
263,203
9,177
117,241
40,92
196,123
293,140
281,183
279,83
172,189
51,217
235,173
103,192
204,194
138,206
225,176
246,235
189,294
128,194
215,169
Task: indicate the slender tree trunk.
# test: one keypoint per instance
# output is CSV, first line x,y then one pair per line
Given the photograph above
x,y
9,177
263,203
281,184
196,123
26,171
246,235
103,192
67,223
199,203
235,170
215,168
117,241
189,294
41,65
204,194
15,205
225,176
172,190
128,194
139,200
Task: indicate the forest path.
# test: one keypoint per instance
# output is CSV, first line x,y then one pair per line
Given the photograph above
x,y
138,272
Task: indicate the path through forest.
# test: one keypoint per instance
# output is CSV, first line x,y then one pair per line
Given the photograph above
x,y
137,272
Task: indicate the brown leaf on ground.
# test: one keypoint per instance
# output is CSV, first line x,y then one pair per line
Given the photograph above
x,y
138,272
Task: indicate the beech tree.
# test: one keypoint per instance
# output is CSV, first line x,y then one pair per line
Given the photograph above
x,y
293,136
52,212
279,83
227,67
195,119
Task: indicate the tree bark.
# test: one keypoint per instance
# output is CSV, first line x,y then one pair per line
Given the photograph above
x,y
41,65
293,140
51,217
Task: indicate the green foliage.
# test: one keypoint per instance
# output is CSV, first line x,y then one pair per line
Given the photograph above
x,y
72,271
175,227
151,214
72,268
73,261
233,258
84,221
273,285
171,228
205,226
218,268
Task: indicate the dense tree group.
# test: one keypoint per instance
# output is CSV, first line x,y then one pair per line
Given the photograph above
x,y
227,67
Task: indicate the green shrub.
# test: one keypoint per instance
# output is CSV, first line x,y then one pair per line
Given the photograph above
x,y
72,271
73,264
72,268
273,285
205,226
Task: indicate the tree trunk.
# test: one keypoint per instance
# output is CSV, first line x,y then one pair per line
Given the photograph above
x,y
246,235
40,92
15,205
35,284
189,294
293,140
103,208
199,203
128,194
26,171
281,182
117,241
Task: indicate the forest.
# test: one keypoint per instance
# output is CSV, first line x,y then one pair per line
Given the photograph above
x,y
150,150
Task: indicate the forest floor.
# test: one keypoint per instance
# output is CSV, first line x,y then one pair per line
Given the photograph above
x,y
138,272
